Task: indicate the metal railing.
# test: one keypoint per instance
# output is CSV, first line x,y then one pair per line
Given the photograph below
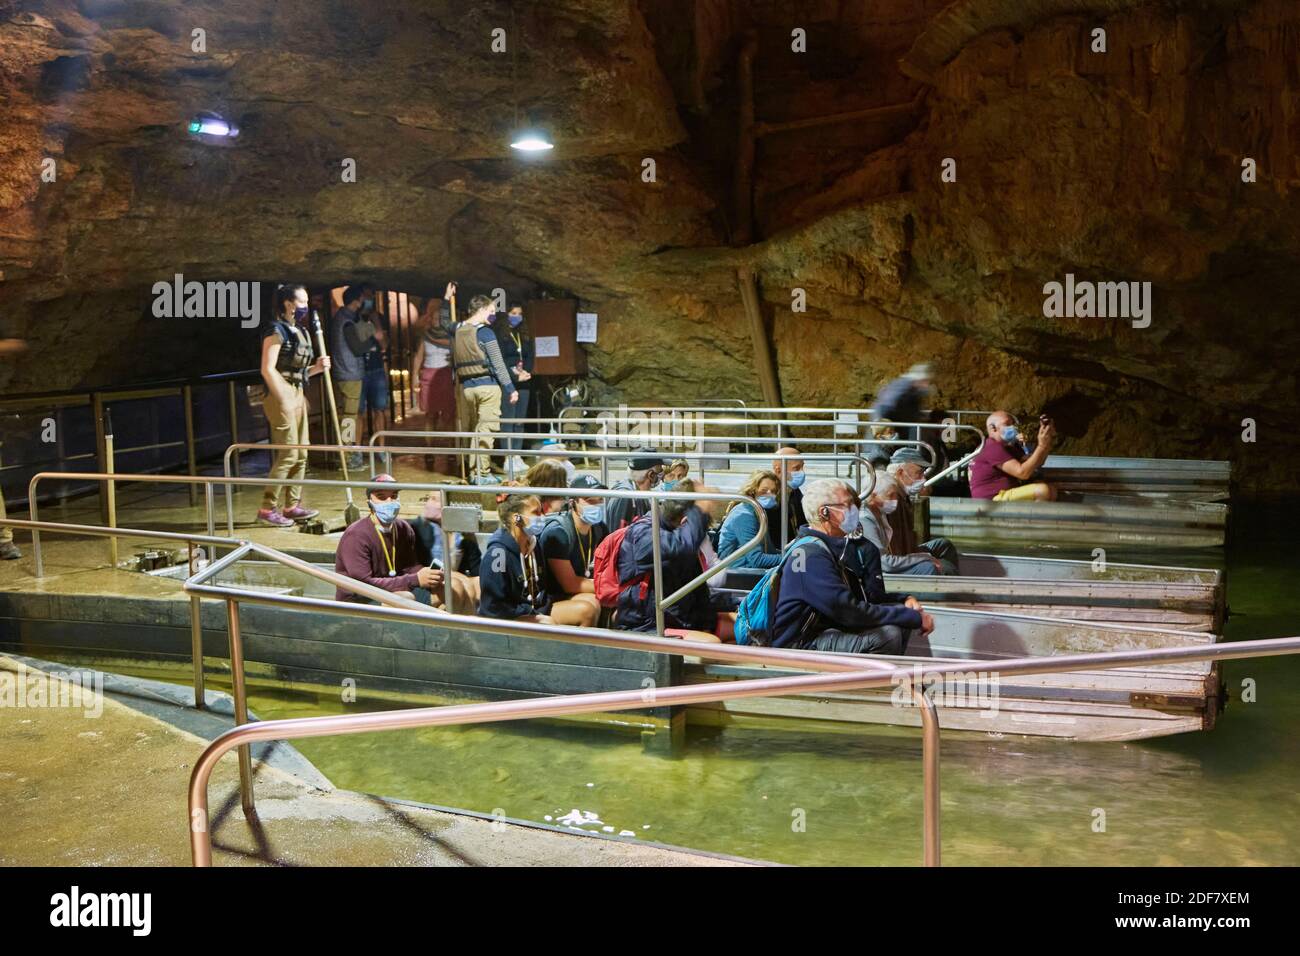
x,y
603,455
99,401
835,444
847,674
196,626
756,410
837,672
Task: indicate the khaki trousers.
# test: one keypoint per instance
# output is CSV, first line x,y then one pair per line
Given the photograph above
x,y
349,412
288,427
480,411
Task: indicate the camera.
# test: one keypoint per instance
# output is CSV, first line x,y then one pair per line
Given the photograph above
x,y
1044,419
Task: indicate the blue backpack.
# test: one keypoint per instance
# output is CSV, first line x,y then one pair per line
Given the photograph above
x,y
756,614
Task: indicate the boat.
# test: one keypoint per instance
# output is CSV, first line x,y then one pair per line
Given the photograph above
x,y
312,647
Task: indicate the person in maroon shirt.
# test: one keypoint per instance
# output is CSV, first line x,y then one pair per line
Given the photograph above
x,y
1002,469
379,550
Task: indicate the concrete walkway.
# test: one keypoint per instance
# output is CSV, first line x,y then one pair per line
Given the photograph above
x,y
110,790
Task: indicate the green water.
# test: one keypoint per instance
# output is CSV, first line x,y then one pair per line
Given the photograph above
x,y
1227,797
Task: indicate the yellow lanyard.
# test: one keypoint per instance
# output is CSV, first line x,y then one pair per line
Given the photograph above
x,y
586,561
519,345
392,571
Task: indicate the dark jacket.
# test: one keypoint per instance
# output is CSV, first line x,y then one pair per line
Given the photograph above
x,y
621,511
841,586
502,590
795,519
525,351
900,401
680,551
428,533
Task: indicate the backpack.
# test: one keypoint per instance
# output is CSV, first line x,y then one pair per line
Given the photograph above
x,y
605,569
757,612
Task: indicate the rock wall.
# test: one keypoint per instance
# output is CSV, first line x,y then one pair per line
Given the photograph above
x,y
1117,166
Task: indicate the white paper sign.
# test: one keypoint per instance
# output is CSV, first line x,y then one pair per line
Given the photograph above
x,y
548,346
586,326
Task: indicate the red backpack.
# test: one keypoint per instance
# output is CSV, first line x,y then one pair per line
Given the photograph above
x,y
605,569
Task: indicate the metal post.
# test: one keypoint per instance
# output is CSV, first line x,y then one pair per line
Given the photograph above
x,y
785,503
234,425
110,486
208,509
659,566
930,762
97,417
196,649
187,399
450,558
241,706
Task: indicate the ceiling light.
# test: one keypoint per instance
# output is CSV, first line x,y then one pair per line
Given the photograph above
x,y
211,124
531,141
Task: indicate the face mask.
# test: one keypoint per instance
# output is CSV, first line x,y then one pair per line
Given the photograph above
x,y
385,511
916,487
433,510
367,304
593,514
889,507
767,501
851,520
796,479
670,484
535,526
1010,434
516,320
299,313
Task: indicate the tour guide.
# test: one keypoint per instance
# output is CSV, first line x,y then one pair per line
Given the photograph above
x,y
484,379
286,366
380,550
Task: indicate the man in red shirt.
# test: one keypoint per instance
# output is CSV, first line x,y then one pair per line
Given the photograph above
x,y
1002,469
379,550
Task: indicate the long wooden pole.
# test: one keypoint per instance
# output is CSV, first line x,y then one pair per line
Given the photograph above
x,y
763,362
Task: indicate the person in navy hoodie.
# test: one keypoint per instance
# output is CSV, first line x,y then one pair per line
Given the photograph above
x,y
832,595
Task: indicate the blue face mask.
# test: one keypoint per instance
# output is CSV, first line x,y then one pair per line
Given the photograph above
x,y
1010,434
851,520
300,313
671,483
767,501
889,506
386,511
367,305
796,479
535,526
516,320
593,514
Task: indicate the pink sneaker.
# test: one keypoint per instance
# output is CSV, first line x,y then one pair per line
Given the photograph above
x,y
299,513
272,517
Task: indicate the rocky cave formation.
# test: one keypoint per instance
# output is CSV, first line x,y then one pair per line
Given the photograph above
x,y
1123,165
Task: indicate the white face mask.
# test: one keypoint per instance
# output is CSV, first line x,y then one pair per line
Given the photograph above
x,y
889,506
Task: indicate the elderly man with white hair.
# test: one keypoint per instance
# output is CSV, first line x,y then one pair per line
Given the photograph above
x,y
645,470
832,595
888,525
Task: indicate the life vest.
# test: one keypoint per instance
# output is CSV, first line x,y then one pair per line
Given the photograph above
x,y
295,355
471,361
